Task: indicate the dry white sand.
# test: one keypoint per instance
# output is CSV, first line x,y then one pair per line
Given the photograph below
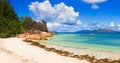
x,y
14,50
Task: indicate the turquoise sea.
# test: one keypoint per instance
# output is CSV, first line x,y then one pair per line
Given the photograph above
x,y
104,42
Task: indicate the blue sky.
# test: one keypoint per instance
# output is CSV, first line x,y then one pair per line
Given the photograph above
x,y
62,15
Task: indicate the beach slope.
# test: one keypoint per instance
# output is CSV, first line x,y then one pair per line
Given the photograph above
x,y
15,50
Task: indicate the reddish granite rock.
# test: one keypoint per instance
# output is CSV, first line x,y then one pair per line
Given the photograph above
x,y
35,35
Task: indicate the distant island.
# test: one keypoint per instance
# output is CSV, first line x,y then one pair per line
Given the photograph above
x,y
25,40
102,30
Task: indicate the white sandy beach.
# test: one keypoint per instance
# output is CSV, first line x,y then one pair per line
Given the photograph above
x,y
14,50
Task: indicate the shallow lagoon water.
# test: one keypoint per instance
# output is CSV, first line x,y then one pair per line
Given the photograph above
x,y
104,42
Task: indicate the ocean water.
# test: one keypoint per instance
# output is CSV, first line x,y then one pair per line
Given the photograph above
x,y
104,42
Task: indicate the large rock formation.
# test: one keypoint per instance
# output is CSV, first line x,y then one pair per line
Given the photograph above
x,y
35,30
35,35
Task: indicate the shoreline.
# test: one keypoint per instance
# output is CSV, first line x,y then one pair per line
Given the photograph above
x,y
15,50
99,54
19,50
86,54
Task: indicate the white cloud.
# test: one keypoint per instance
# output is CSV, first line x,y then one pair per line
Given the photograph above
x,y
63,18
94,3
115,26
112,24
95,25
78,22
60,12
66,14
94,6
55,26
118,25
60,17
42,10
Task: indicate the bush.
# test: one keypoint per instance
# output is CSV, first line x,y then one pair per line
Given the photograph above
x,y
10,27
9,24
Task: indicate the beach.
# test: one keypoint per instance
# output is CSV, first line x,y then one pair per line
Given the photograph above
x,y
59,31
20,50
15,50
99,54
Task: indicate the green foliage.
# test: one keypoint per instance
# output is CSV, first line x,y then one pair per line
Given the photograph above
x,y
9,24
10,27
27,22
7,11
27,19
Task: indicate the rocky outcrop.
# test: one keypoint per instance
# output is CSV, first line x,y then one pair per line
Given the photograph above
x,y
35,35
35,30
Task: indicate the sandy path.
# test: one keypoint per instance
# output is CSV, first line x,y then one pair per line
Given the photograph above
x,y
14,50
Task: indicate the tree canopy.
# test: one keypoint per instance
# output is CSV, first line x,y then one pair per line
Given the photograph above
x,y
9,24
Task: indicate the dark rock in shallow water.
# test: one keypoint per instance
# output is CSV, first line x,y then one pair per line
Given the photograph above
x,y
65,53
42,46
75,56
35,43
29,41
